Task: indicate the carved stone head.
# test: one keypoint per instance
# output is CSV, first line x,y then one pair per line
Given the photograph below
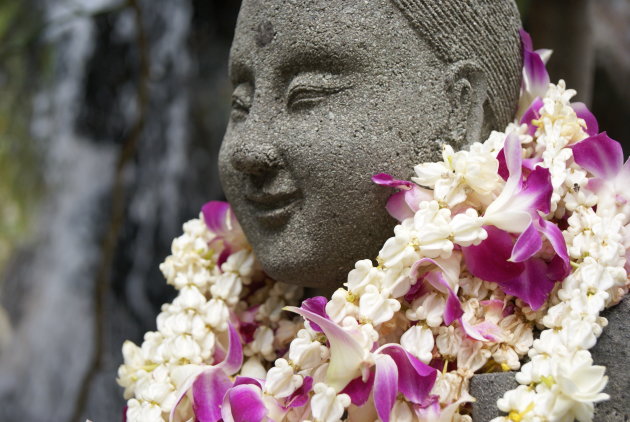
x,y
328,93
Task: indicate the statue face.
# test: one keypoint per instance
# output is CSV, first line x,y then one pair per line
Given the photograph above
x,y
326,94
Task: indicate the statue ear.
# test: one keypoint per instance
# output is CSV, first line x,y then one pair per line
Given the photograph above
x,y
470,116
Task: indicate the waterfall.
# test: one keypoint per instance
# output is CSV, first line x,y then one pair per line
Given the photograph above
x,y
73,297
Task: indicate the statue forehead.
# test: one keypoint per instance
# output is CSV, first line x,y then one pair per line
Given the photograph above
x,y
274,27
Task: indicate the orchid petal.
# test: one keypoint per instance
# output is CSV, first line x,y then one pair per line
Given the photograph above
x,y
417,290
234,356
385,386
415,378
600,155
538,190
243,403
453,309
527,244
560,267
402,204
215,214
489,259
358,390
513,160
385,179
481,332
535,76
416,195
300,396
526,40
582,112
450,267
397,206
208,391
316,305
531,114
181,393
545,54
531,286
346,355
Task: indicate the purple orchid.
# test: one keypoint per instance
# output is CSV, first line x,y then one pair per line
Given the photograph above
x,y
582,112
603,158
520,201
405,203
535,76
210,386
434,273
386,371
221,221
243,402
512,264
527,277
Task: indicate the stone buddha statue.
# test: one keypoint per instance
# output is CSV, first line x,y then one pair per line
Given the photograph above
x,y
328,93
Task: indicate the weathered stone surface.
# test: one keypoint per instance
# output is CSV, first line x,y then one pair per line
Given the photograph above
x,y
487,389
611,351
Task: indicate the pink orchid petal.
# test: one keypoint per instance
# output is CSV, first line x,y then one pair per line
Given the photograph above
x,y
526,40
532,286
244,403
416,195
415,378
485,331
582,112
234,356
453,309
346,355
300,396
490,259
600,155
450,268
538,190
241,380
385,386
535,76
316,305
397,206
531,114
527,244
528,163
215,215
417,290
208,391
174,416
560,267
402,204
429,411
384,179
358,390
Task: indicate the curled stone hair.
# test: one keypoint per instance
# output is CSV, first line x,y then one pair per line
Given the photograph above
x,y
484,31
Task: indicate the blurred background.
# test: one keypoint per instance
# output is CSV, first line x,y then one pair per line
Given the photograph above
x,y
111,116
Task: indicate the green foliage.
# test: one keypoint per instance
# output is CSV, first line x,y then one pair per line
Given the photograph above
x,y
21,60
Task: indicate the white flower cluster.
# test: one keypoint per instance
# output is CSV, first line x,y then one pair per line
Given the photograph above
x,y
560,382
422,292
192,327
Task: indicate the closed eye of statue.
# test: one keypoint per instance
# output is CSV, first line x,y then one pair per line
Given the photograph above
x,y
241,102
305,93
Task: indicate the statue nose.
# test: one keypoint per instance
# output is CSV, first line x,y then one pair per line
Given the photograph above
x,y
255,159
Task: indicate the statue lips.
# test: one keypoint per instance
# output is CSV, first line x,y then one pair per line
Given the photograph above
x,y
273,209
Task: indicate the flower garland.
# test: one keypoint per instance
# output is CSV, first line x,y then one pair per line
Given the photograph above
x,y
527,231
